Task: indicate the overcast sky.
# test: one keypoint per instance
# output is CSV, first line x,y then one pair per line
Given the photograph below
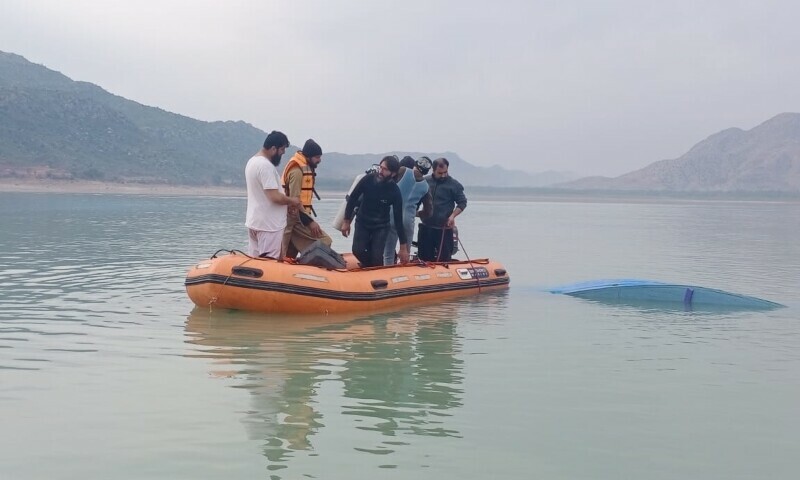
x,y
593,87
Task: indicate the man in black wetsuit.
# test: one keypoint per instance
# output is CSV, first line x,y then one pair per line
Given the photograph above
x,y
373,196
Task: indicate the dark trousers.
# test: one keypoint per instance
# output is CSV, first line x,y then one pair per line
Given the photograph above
x,y
431,247
368,244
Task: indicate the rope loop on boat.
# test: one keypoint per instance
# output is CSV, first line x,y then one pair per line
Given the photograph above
x,y
232,252
214,298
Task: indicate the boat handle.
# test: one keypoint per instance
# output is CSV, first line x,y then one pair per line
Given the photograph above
x,y
379,284
248,272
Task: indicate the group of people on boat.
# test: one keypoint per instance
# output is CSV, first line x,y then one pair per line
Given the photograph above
x,y
384,203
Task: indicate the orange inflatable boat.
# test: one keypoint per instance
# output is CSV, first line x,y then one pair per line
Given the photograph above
x,y
241,282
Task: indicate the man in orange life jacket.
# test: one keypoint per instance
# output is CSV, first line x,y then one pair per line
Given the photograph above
x,y
298,180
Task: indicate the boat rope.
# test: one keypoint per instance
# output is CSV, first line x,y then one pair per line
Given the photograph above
x,y
477,277
471,266
214,298
234,252
441,244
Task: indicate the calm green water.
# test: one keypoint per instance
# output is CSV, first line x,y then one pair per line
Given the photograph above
x,y
107,371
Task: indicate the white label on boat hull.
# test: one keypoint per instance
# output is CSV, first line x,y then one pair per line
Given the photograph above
x,y
203,265
470,273
307,276
422,277
444,274
399,279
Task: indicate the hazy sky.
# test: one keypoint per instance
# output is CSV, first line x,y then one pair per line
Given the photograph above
x,y
594,87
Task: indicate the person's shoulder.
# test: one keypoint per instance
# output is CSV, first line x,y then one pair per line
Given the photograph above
x,y
256,163
455,182
292,162
259,160
364,181
368,177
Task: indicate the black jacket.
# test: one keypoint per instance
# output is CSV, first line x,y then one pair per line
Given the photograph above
x,y
373,199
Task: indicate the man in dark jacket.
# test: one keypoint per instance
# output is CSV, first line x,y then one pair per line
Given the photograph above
x,y
374,195
447,199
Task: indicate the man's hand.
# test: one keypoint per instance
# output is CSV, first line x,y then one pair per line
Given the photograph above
x,y
315,230
293,204
451,221
403,253
346,228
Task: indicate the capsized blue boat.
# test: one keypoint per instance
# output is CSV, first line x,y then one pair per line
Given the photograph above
x,y
633,292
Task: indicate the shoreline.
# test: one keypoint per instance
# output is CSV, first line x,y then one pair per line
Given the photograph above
x,y
93,187
88,187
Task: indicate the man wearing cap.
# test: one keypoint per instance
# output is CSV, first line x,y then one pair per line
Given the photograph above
x,y
299,178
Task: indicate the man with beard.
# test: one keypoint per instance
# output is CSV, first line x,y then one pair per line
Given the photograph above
x,y
266,205
374,195
446,195
413,187
299,178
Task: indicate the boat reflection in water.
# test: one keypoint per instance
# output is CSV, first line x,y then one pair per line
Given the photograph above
x,y
396,374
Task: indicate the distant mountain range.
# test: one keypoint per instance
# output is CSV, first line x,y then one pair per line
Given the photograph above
x,y
763,159
54,127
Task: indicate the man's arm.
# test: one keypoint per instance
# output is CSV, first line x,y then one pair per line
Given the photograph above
x,y
397,209
352,203
295,182
294,185
353,199
461,205
427,206
275,196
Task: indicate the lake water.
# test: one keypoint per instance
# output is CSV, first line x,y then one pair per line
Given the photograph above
x,y
108,371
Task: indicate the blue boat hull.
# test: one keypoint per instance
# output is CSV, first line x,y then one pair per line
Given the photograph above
x,y
635,292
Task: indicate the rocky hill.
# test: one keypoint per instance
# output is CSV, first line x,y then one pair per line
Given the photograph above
x,y
763,159
54,127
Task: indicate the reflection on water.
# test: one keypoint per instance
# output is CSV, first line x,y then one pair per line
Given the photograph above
x,y
388,376
667,307
102,376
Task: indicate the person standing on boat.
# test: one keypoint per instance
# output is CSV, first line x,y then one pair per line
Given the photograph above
x,y
299,178
266,205
447,199
374,196
411,182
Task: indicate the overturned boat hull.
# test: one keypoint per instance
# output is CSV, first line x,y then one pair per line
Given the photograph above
x,y
641,292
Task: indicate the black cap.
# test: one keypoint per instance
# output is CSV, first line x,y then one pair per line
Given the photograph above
x,y
311,149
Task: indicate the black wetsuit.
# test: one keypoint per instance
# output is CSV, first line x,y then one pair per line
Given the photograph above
x,y
373,198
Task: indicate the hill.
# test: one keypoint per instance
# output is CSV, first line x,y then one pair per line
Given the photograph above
x,y
763,159
54,127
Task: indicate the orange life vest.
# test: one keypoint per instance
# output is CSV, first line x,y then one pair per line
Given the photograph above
x,y
307,187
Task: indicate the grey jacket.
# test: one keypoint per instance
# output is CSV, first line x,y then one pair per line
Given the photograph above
x,y
445,196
